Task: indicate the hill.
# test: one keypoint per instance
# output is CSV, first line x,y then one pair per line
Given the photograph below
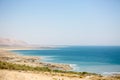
x,y
12,42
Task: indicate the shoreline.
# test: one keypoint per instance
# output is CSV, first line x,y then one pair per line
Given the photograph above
x,y
6,55
39,61
34,61
73,67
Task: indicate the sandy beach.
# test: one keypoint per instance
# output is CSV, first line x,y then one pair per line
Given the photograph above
x,y
15,75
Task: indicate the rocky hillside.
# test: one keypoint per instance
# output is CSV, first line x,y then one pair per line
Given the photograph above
x,y
11,42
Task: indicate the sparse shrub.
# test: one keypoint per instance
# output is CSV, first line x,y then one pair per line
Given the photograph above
x,y
11,66
54,78
84,73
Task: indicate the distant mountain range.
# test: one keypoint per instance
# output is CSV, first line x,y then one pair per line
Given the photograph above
x,y
12,42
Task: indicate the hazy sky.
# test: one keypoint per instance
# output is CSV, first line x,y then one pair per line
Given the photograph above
x,y
61,22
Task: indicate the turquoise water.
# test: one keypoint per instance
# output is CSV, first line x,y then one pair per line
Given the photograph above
x,y
98,59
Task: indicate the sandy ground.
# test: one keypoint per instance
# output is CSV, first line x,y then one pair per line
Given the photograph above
x,y
25,75
16,75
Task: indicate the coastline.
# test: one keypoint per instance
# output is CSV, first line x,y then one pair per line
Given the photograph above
x,y
34,61
47,57
6,55
12,57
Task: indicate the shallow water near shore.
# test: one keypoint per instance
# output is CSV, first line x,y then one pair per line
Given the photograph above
x,y
97,59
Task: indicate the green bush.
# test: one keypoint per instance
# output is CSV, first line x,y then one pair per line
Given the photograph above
x,y
11,66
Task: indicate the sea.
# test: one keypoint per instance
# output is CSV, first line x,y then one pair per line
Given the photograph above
x,y
95,59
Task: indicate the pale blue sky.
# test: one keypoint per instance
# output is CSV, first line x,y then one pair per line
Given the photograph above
x,y
61,22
